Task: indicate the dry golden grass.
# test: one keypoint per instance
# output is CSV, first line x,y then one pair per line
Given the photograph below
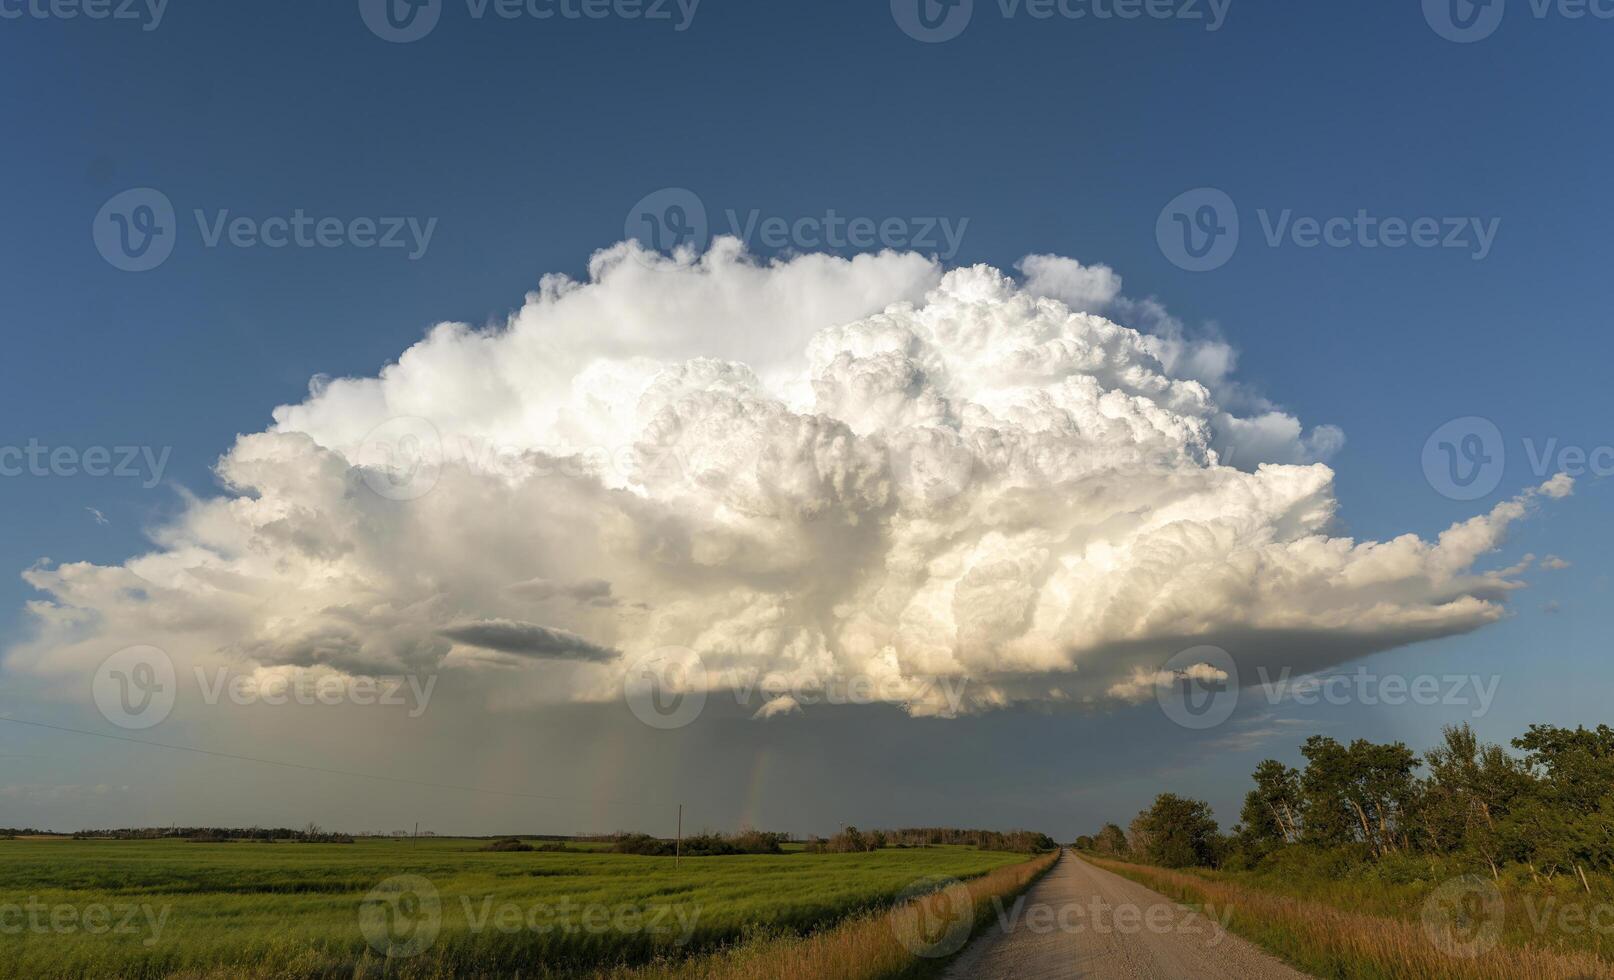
x,y
1331,942
867,947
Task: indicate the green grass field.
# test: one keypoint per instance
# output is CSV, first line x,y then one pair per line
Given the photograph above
x,y
138,909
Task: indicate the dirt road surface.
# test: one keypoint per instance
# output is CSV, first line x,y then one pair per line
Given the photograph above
x,y
1082,921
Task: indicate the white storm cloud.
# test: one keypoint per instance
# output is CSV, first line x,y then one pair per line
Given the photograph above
x,y
813,468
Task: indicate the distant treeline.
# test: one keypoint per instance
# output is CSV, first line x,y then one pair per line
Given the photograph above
x,y
311,834
702,844
517,844
1548,808
849,841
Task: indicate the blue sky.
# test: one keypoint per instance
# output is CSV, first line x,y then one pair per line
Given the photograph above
x,y
528,142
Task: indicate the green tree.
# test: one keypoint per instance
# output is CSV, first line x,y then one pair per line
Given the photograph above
x,y
1471,790
1111,841
1271,813
1578,763
1177,833
1568,824
1361,793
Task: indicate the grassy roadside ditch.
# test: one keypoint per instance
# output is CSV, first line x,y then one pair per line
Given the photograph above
x,y
1452,936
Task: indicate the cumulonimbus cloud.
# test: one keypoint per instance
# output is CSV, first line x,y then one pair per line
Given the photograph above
x,y
814,468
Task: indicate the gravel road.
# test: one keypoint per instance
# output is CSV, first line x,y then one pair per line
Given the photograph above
x,y
1082,921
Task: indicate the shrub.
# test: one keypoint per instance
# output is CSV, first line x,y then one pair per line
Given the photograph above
x,y
758,842
849,841
507,844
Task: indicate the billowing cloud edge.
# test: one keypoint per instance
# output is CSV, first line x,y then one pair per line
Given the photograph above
x,y
819,470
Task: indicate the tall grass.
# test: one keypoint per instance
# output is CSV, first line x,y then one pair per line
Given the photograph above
x,y
1333,942
867,947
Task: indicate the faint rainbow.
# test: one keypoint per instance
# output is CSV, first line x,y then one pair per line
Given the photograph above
x,y
757,789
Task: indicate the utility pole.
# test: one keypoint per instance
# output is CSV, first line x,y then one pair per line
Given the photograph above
x,y
678,847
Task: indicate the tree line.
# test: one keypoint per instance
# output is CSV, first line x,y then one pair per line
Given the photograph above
x,y
311,834
704,844
851,839
1547,806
